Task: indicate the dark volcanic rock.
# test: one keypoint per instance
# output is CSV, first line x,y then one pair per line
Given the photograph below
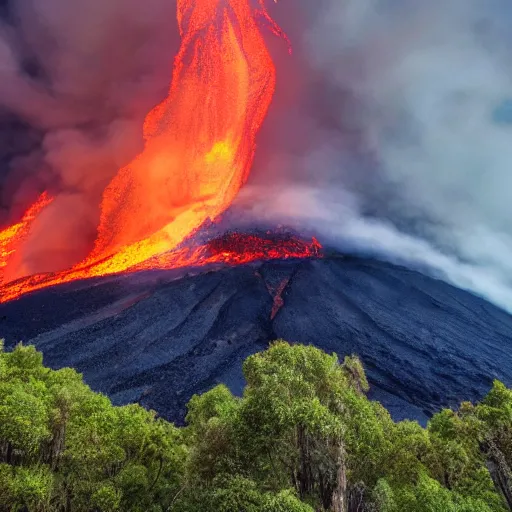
x,y
158,338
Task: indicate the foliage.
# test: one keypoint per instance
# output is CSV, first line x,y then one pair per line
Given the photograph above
x,y
303,437
64,447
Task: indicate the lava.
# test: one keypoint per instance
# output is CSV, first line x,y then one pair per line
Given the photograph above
x,y
199,148
13,236
237,249
230,249
200,141
277,297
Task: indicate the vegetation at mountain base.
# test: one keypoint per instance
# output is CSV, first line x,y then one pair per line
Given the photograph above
x,y
304,437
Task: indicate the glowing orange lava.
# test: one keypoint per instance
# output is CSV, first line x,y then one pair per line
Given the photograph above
x,y
13,236
232,249
199,148
237,249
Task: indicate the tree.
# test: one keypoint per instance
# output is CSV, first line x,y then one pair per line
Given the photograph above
x,y
303,437
66,448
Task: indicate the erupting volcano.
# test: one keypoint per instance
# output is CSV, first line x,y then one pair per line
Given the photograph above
x,y
199,148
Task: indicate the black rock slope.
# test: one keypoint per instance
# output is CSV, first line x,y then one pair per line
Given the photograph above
x,y
157,337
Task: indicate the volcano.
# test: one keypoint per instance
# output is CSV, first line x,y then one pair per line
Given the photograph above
x,y
159,336
160,308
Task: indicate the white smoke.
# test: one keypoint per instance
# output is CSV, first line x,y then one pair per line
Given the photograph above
x,y
336,219
430,183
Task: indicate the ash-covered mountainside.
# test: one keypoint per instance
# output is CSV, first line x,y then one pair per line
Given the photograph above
x,y
158,337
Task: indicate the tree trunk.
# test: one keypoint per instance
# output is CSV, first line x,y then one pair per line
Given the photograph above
x,y
161,465
8,457
339,495
325,490
499,470
54,449
305,472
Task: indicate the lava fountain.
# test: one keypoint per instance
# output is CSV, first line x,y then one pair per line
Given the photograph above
x,y
199,148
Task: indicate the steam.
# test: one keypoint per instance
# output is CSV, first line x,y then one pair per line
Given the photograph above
x,y
415,166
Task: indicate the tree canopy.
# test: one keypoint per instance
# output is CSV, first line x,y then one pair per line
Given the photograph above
x,y
304,437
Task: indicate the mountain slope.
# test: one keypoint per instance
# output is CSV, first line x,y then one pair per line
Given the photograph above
x,y
159,337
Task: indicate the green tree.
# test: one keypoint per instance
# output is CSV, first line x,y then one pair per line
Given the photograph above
x,y
303,437
63,447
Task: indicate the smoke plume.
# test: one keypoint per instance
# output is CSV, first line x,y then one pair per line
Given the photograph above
x,y
408,113
76,79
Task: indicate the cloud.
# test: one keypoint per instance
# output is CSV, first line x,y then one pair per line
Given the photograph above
x,y
389,134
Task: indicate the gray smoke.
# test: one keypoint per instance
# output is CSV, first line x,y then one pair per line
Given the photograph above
x,y
411,136
81,75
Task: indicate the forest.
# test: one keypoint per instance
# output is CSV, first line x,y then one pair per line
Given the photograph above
x,y
304,437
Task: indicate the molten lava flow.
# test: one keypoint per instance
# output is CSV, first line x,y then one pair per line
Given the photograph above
x,y
13,236
200,141
277,296
237,249
199,147
231,249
